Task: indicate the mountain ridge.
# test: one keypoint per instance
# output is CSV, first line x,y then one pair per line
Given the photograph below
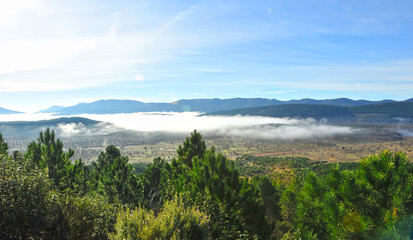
x,y
379,112
7,111
114,106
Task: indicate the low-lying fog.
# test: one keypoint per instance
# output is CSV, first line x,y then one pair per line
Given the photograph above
x,y
237,126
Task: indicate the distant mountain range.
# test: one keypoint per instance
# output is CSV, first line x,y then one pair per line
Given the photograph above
x,y
52,109
112,106
198,105
7,111
372,113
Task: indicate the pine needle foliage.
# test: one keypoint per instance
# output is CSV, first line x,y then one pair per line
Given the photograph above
x,y
355,204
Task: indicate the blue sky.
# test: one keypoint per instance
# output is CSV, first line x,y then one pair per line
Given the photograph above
x,y
65,52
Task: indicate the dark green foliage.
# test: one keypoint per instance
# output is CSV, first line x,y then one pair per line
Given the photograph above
x,y
193,146
31,207
269,195
153,184
3,146
139,167
200,195
114,178
399,230
355,204
390,182
17,156
83,217
211,181
25,200
48,154
106,158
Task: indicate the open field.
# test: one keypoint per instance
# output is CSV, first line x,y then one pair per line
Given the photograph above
x,y
341,152
143,147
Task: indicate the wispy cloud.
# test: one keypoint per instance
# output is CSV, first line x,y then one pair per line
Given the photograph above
x,y
49,46
22,55
211,70
281,91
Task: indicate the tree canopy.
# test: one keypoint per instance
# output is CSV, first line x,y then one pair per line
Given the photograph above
x,y
200,194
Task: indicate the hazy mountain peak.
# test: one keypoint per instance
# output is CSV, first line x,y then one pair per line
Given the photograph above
x,y
52,109
110,106
7,111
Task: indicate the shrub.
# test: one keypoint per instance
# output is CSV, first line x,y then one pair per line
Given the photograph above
x,y
175,221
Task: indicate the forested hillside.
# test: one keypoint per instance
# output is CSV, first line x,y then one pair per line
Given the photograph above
x,y
316,111
46,194
372,113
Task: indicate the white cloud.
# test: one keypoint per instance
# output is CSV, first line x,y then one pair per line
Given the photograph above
x,y
211,70
238,126
9,10
281,91
24,55
31,86
61,45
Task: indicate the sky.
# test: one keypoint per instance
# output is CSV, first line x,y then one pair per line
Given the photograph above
x,y
65,52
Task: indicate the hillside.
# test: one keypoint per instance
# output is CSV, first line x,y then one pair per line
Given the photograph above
x,y
338,102
112,106
103,107
51,109
316,111
394,109
382,112
64,127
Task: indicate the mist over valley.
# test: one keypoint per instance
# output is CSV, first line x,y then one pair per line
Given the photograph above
x,y
145,135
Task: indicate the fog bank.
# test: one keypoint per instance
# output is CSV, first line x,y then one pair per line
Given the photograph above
x,y
237,126
184,123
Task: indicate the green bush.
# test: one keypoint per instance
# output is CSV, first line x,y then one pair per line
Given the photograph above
x,y
25,200
83,217
174,221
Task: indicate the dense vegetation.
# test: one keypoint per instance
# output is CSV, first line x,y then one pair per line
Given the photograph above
x,y
393,109
45,194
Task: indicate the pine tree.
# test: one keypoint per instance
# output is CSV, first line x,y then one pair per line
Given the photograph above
x,y
3,146
209,180
193,146
48,154
114,178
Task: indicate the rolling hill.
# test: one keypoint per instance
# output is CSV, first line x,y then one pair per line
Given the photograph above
x,y
64,126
